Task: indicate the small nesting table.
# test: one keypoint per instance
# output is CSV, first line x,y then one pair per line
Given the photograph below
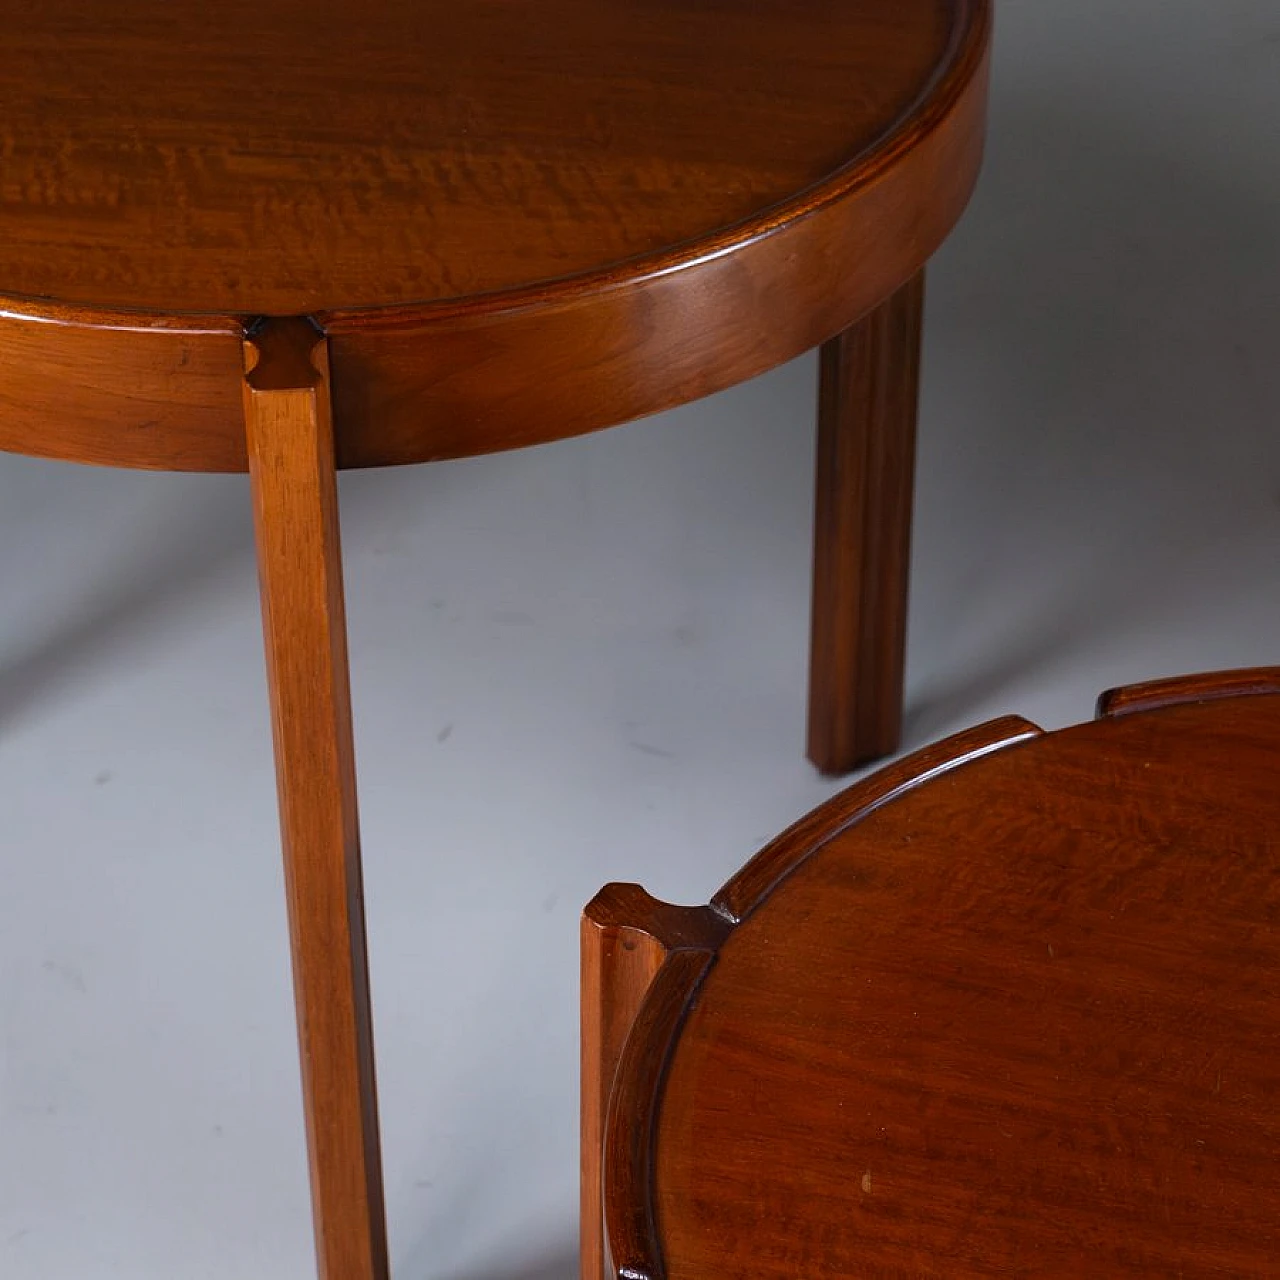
x,y
1009,1007
284,237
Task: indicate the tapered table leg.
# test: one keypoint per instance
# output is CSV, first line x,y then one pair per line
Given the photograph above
x,y
868,383
291,465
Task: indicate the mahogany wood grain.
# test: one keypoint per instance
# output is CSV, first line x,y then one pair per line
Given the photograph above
x,y
302,158
1014,1018
750,886
122,390
629,940
867,390
503,372
290,446
509,237
627,937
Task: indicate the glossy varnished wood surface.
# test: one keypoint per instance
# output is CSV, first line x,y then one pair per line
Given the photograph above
x,y
1019,1018
121,390
743,892
299,157
1202,688
514,223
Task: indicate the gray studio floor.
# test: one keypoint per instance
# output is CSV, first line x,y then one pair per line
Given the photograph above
x,y
586,662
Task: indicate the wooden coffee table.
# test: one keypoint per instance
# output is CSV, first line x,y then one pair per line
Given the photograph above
x,y
1008,1007
283,238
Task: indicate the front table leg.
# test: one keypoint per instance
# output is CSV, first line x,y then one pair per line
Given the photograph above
x,y
295,497
868,378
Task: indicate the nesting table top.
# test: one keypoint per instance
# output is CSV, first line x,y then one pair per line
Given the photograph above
x,y
1020,1019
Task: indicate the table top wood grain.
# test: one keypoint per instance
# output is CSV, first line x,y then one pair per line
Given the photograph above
x,y
292,157
513,222
1018,1018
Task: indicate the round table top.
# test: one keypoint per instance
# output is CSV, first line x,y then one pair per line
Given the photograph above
x,y
1022,1019
288,158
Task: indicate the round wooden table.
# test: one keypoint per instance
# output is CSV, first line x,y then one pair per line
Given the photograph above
x,y
1009,1007
281,238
